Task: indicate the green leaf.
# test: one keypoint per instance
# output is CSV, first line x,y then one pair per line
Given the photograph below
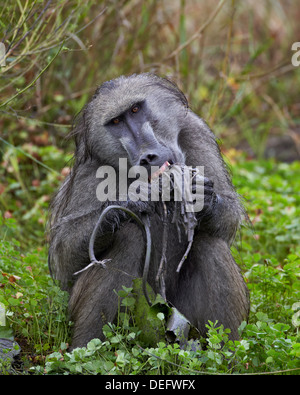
x,y
6,333
160,316
94,344
262,317
145,316
269,360
281,327
13,301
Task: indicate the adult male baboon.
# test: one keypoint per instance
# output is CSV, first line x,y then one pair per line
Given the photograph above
x,y
145,119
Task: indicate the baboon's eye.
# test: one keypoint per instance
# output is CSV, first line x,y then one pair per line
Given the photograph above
x,y
116,121
135,108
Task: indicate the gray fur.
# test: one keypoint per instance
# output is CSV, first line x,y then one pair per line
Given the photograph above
x,y
209,285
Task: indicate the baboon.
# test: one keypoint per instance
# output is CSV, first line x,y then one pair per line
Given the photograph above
x,y
145,119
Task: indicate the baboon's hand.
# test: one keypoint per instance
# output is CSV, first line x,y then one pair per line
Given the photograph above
x,y
204,196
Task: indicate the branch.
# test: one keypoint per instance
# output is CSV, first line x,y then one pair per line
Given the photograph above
x,y
35,79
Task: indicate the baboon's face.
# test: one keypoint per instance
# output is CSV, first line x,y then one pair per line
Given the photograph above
x,y
134,119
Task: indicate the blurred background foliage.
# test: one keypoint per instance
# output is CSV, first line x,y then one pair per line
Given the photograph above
x,y
231,58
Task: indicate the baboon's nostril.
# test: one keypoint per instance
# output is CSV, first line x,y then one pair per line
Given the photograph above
x,y
148,159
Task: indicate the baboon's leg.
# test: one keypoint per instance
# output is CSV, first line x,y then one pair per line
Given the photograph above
x,y
211,287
